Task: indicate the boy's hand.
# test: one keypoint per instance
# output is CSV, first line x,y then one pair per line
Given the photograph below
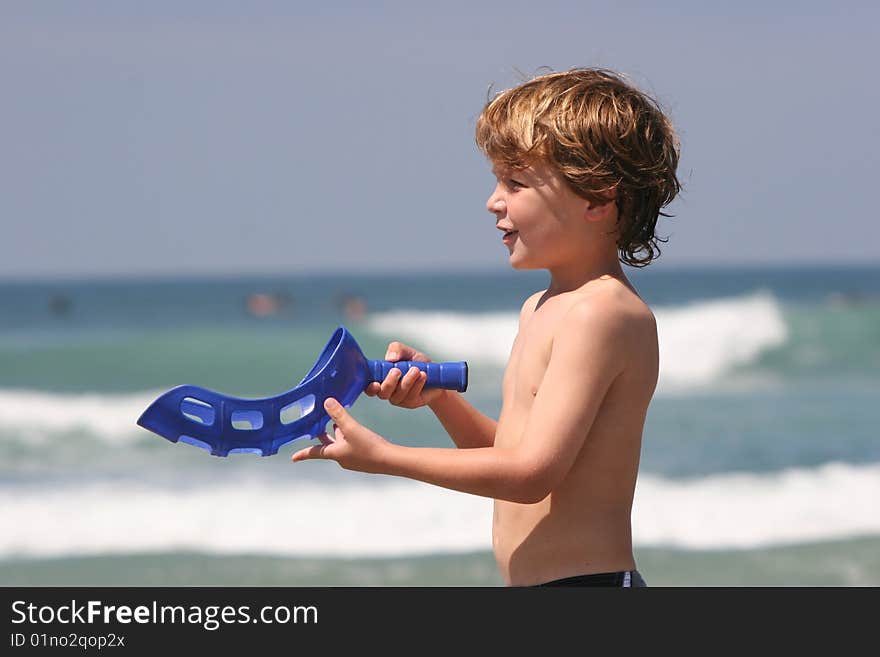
x,y
354,447
406,391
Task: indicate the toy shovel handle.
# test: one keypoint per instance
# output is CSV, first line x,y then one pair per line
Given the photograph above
x,y
449,376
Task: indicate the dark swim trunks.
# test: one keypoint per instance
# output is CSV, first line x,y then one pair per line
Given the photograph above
x,y
623,578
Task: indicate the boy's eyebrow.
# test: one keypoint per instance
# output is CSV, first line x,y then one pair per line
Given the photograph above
x,y
506,172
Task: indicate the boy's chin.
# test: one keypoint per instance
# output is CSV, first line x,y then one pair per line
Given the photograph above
x,y
517,261
521,265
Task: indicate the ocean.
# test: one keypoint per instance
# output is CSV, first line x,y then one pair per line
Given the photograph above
x,y
760,462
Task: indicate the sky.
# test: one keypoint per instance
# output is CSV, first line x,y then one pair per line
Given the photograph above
x,y
213,137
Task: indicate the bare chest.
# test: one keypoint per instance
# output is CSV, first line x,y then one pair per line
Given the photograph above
x,y
528,362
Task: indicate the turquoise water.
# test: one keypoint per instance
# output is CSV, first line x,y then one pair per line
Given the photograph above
x,y
761,458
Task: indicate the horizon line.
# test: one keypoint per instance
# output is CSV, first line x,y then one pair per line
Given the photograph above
x,y
85,277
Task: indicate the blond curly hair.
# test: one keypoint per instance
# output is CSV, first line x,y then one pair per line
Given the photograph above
x,y
604,137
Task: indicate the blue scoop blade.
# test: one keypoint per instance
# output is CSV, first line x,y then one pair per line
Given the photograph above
x,y
251,425
226,425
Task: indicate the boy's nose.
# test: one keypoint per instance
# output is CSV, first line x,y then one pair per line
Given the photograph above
x,y
495,204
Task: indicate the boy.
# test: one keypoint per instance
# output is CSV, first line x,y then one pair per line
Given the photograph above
x,y
584,162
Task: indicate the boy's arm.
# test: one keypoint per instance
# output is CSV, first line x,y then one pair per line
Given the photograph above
x,y
467,427
588,354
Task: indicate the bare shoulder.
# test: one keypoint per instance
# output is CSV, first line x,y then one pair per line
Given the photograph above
x,y
613,308
529,305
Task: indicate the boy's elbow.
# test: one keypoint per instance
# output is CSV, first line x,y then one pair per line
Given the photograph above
x,y
533,485
528,496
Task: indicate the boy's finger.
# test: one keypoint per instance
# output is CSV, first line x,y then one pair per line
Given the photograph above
x,y
390,383
313,452
395,351
400,351
338,414
419,385
413,396
406,384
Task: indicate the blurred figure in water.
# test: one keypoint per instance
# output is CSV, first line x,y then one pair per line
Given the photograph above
x,y
353,307
266,304
59,305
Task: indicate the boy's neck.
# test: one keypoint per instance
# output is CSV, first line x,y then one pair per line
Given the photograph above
x,y
566,278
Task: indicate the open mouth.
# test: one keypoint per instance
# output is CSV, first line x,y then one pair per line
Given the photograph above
x,y
509,234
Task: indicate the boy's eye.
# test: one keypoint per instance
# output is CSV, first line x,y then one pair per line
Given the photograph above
x,y
514,183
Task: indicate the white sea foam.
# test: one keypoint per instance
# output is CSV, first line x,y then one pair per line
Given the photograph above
x,y
404,517
477,337
401,517
747,510
37,415
702,341
699,342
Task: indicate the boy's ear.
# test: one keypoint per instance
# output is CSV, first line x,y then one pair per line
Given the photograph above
x,y
601,210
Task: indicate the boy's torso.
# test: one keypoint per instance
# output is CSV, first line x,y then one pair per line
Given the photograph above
x,y
583,526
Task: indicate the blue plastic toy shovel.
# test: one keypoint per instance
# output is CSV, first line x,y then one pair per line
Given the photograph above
x,y
227,425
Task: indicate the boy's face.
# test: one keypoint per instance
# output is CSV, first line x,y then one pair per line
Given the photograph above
x,y
547,217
